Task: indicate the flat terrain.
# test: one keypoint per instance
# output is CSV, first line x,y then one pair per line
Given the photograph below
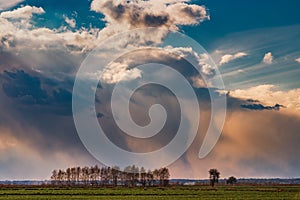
x,y
174,192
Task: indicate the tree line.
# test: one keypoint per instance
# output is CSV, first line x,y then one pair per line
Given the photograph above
x,y
131,176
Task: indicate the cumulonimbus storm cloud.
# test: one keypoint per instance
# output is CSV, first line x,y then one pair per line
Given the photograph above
x,y
37,70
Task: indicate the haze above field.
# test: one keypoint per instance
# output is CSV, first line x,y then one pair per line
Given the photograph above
x,y
255,44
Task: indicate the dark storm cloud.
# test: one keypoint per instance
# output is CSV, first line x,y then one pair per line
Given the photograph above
x,y
37,130
140,102
29,90
252,101
153,21
26,88
261,107
252,144
41,109
36,116
46,131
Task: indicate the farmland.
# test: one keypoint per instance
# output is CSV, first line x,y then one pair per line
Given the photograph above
x,y
172,192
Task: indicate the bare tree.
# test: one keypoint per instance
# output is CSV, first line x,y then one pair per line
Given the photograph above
x,y
150,178
143,176
115,172
164,176
78,173
54,177
156,176
68,175
214,176
85,175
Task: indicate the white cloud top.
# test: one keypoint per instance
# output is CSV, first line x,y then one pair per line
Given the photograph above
x,y
18,33
22,13
116,72
5,4
70,22
268,58
230,57
125,70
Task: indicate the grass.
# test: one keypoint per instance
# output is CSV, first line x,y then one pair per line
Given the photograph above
x,y
175,192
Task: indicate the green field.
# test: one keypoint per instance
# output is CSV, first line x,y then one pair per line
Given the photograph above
x,y
178,192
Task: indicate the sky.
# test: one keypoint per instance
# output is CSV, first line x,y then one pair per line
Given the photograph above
x,y
255,46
